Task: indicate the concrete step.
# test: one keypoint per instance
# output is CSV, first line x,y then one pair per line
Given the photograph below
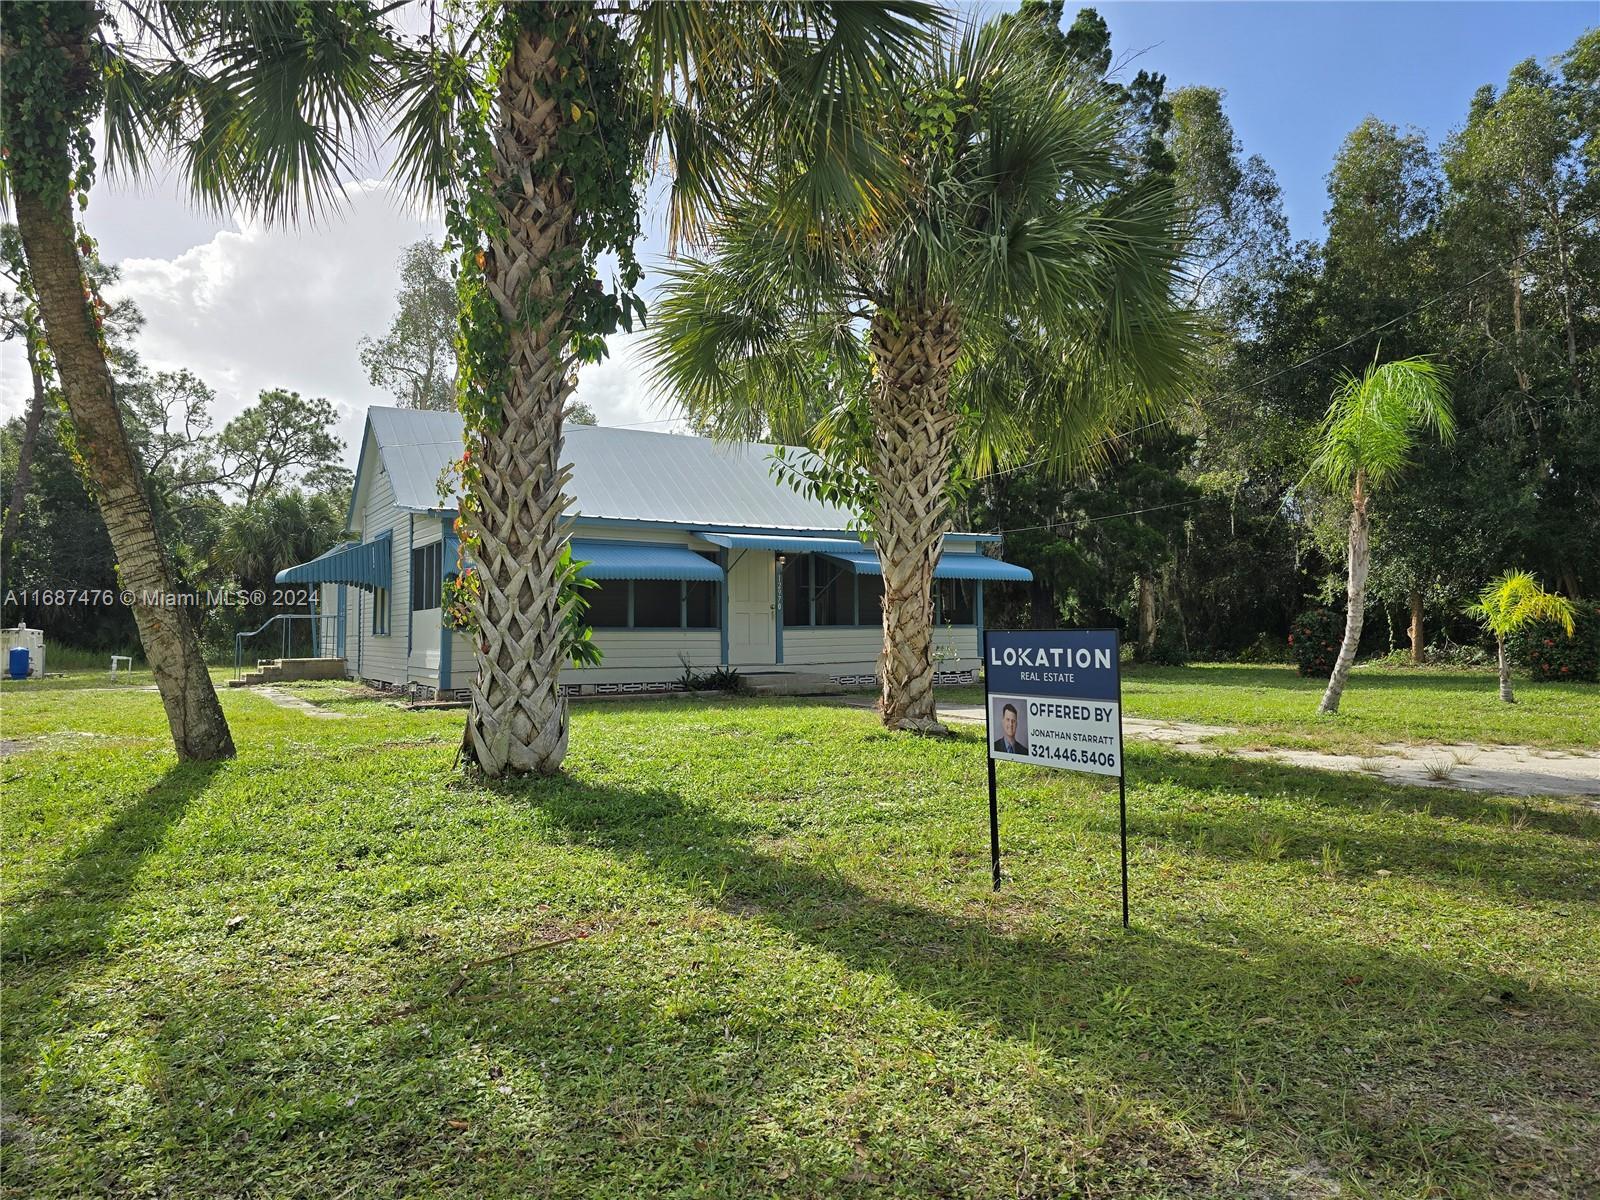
x,y
306,668
789,683
288,670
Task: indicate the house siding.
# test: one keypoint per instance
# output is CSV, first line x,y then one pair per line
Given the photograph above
x,y
852,651
377,657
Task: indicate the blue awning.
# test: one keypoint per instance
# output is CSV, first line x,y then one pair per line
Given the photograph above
x,y
952,565
796,543
632,560
364,565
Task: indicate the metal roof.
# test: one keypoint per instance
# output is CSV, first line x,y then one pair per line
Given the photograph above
x,y
951,565
795,543
617,474
416,445
604,559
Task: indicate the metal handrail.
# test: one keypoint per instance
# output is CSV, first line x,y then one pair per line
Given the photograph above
x,y
322,646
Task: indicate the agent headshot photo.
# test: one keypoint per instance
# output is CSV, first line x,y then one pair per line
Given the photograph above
x,y
1013,735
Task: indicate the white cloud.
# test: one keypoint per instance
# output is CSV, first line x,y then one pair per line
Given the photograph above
x,y
618,388
256,308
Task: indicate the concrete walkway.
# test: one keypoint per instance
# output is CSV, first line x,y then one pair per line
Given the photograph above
x,y
297,704
1507,770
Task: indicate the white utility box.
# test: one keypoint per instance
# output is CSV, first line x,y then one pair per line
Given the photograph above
x,y
32,640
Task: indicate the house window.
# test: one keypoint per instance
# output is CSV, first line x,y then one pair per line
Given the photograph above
x,y
608,604
700,604
953,601
653,604
833,593
657,604
427,567
820,592
380,611
869,602
796,591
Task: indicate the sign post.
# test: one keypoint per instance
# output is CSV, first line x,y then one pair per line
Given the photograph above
x,y
994,827
1053,698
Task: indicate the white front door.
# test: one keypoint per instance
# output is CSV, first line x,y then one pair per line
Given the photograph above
x,y
752,622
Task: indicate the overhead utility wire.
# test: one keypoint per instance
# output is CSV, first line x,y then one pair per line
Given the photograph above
x,y
1305,362
1076,521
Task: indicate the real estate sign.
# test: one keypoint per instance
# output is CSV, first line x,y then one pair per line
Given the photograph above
x,y
1054,698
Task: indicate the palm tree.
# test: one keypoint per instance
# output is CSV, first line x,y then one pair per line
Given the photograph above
x,y
256,103
259,540
1509,604
582,100
1017,300
1365,441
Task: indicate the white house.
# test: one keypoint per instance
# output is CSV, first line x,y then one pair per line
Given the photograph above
x,y
702,558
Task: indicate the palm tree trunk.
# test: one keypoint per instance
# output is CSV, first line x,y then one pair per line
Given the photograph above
x,y
914,430
1355,596
1416,628
30,439
171,644
518,723
1505,671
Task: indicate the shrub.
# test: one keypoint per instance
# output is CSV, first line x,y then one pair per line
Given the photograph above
x,y
1459,654
1168,649
1548,653
1266,649
718,679
1314,638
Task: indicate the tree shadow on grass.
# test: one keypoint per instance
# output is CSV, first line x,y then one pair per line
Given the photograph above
x,y
66,921
1192,1016
1375,1062
67,918
1284,679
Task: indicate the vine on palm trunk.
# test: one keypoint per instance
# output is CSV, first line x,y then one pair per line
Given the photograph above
x,y
49,98
599,140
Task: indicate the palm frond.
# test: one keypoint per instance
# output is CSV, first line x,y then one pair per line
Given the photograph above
x,y
746,362
738,83
1514,600
265,105
1371,426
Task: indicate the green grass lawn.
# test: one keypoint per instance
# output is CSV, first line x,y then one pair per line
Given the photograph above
x,y
787,973
1272,706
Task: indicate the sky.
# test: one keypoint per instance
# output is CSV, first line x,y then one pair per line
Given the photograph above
x,y
248,308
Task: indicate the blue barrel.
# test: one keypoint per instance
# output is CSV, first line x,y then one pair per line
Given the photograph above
x,y
18,662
